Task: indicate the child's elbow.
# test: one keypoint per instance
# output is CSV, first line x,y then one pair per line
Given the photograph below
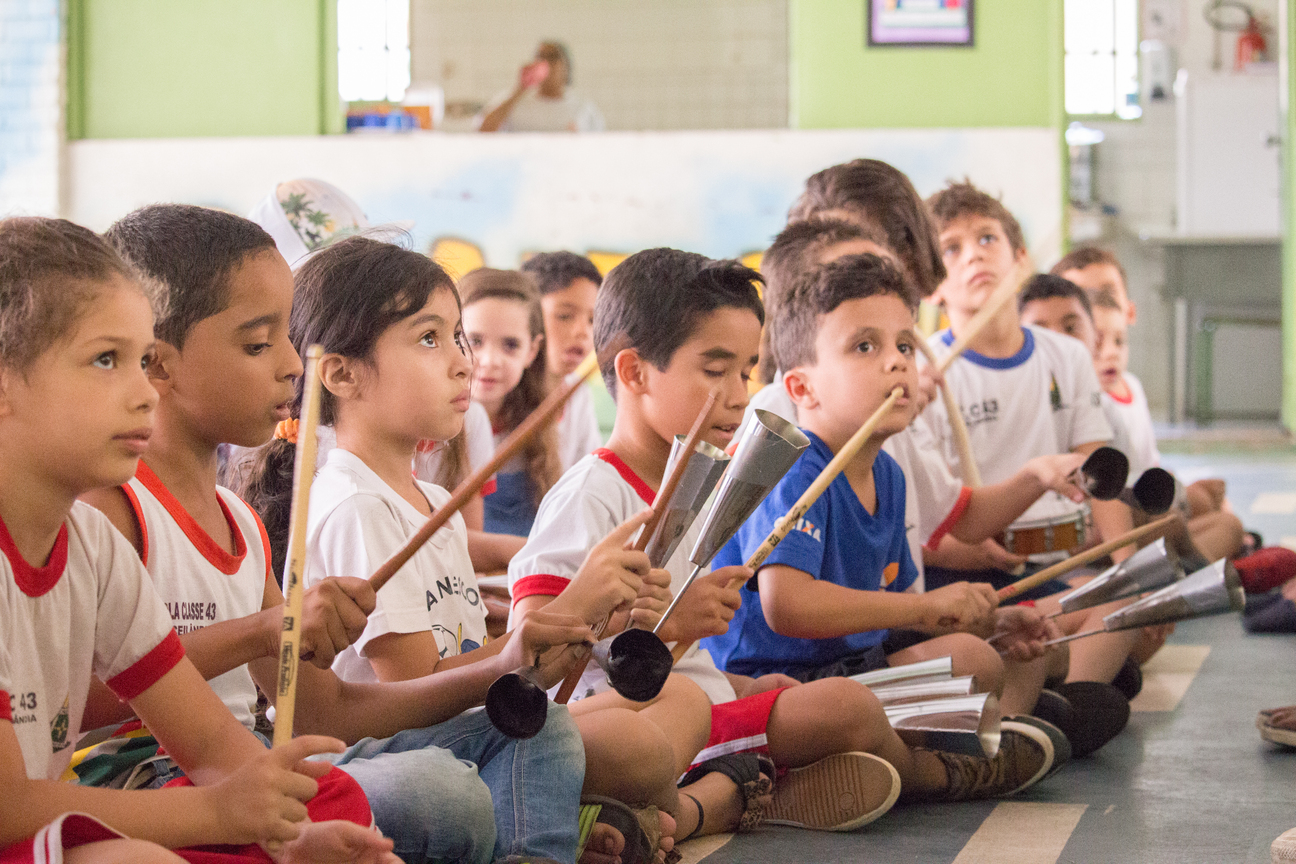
x,y
786,622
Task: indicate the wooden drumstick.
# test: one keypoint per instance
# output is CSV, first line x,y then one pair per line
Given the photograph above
x,y
1160,526
821,483
303,473
967,461
660,502
463,493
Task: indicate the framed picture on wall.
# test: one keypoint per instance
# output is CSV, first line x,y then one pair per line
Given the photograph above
x,y
919,22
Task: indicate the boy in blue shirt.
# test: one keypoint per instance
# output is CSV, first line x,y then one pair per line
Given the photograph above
x,y
830,594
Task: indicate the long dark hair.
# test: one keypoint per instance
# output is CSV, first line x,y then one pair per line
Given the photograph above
x,y
344,298
540,455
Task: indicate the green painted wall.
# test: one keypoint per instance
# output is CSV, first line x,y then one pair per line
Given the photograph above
x,y
1011,77
1287,41
179,68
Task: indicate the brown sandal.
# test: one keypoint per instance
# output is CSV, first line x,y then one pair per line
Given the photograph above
x,y
753,773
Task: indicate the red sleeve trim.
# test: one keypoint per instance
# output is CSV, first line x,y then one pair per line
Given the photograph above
x,y
265,543
960,507
148,669
489,487
133,500
5,712
542,584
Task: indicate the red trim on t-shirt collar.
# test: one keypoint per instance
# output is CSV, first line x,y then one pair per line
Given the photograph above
x,y
627,474
1124,400
35,581
956,513
133,500
202,541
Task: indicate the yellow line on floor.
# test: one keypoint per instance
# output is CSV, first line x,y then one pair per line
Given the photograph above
x,y
1018,832
1167,676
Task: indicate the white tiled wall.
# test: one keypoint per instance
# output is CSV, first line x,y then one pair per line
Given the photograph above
x,y
1135,172
665,64
30,107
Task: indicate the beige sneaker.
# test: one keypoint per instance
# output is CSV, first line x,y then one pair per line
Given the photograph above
x,y
839,793
1025,756
1283,849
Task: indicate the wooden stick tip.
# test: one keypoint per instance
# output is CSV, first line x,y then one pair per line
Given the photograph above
x,y
587,367
315,351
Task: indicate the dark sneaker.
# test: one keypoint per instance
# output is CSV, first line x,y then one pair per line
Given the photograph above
x,y
838,793
1129,680
1099,712
1025,755
1058,738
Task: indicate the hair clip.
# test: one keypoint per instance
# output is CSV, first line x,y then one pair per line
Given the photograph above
x,y
287,430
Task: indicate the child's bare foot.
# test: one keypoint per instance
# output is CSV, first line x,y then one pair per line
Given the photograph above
x,y
1278,725
1150,640
604,846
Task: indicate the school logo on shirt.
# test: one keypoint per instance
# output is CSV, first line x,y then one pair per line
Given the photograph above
x,y
889,573
807,527
1055,394
452,641
59,729
977,413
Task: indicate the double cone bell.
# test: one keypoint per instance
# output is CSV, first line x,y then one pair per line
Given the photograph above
x,y
925,691
767,447
1153,492
637,663
1212,590
1103,474
939,669
517,704
958,724
1148,569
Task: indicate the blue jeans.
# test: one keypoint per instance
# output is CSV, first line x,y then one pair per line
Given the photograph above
x,y
464,791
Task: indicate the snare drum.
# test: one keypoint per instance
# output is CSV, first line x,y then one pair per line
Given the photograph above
x,y
1058,536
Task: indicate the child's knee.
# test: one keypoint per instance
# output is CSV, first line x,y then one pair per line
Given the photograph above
x,y
689,706
561,738
627,756
851,715
978,658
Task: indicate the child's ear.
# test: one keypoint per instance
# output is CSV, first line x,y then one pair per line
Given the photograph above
x,y
160,366
631,371
800,389
338,375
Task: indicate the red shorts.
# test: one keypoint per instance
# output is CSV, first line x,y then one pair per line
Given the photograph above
x,y
66,832
339,797
739,726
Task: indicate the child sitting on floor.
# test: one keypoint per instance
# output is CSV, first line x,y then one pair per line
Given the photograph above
x,y
845,337
75,601
504,330
226,371
568,285
670,327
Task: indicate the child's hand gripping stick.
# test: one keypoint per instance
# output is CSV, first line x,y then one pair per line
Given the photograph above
x,y
660,503
464,492
303,473
821,483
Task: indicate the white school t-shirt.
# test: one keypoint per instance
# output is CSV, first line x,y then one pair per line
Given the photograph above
x,y
1132,432
90,610
199,581
356,523
934,497
584,506
1043,400
578,427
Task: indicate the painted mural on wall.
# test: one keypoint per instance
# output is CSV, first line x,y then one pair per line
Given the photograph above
x,y
494,199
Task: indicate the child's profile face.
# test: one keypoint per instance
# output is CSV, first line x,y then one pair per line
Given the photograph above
x,y
416,384
569,325
1111,356
863,350
499,333
82,413
1062,315
978,256
234,378
720,353
1104,279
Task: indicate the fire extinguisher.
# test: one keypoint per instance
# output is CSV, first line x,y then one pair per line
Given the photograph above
x,y
1251,45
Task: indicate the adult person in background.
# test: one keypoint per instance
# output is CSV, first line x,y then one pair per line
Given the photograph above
x,y
542,99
